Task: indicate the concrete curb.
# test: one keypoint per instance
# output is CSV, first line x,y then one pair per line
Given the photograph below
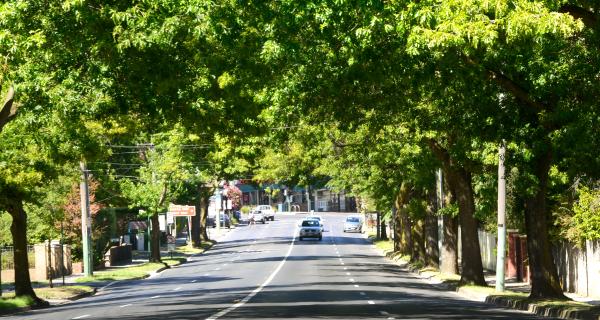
x,y
532,307
545,311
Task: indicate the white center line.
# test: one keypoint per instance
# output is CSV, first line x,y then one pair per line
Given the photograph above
x,y
351,280
81,317
125,305
217,269
194,281
347,273
176,289
154,297
383,313
356,286
260,288
345,268
371,302
363,294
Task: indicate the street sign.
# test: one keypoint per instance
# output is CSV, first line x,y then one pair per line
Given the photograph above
x,y
182,211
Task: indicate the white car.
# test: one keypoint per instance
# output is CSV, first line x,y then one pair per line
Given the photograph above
x,y
353,224
256,216
310,228
318,218
267,211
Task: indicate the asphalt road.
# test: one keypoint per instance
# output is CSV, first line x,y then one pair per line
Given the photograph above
x,y
263,271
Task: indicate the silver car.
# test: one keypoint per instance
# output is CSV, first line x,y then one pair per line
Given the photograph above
x,y
310,228
353,224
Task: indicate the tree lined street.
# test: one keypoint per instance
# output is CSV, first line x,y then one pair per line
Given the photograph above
x,y
263,271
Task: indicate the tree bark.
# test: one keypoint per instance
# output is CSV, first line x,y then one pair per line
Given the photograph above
x,y
472,268
459,180
383,232
418,249
449,250
18,229
545,282
155,239
196,238
432,252
401,242
9,108
204,215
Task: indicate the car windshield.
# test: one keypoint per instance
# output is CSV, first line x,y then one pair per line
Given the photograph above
x,y
352,219
310,223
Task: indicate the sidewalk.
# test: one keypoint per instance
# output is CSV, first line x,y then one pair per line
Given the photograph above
x,y
515,296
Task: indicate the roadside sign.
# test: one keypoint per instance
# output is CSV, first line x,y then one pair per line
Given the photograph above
x,y
182,211
162,222
170,219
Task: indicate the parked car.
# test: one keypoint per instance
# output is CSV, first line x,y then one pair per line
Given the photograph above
x,y
310,228
267,212
224,221
319,219
256,216
353,224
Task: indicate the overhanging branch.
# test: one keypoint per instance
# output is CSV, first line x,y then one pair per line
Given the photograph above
x,y
9,109
588,17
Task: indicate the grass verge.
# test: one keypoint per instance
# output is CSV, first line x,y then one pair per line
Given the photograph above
x,y
10,303
129,273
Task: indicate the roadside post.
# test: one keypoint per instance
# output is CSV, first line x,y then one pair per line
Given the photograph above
x,y
501,252
0,271
86,222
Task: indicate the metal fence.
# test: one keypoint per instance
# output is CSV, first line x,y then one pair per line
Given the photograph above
x,y
7,259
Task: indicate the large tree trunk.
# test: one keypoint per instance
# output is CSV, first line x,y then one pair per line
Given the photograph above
x,y
471,266
18,229
459,180
449,250
383,232
544,276
155,239
204,215
400,241
432,253
418,250
196,238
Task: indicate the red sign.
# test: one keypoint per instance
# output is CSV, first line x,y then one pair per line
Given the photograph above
x,y
182,211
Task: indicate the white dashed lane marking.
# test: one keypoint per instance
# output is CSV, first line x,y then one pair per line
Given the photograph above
x,y
370,302
81,317
125,305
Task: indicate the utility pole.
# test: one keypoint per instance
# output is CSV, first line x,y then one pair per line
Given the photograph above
x,y
308,197
86,221
500,254
218,213
440,198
